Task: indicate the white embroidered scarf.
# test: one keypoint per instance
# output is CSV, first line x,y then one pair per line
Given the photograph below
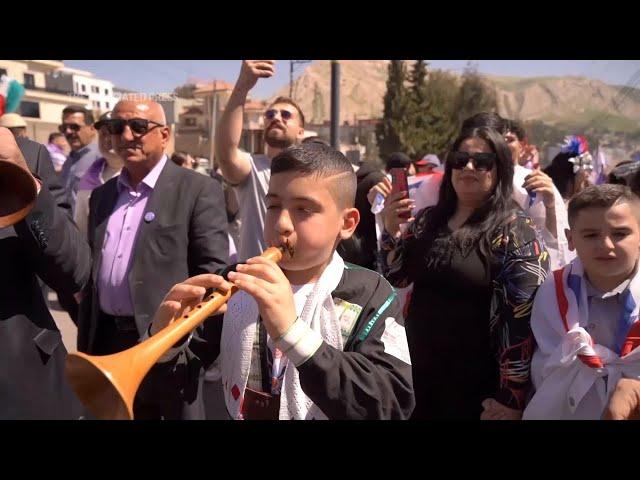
x,y
578,365
238,332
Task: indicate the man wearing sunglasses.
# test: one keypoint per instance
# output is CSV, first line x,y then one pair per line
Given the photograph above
x,y
149,228
77,127
250,173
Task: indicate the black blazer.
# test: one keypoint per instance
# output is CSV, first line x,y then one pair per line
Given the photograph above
x,y
187,237
37,154
46,243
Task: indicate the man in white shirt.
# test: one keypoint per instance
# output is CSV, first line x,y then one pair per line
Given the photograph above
x,y
250,173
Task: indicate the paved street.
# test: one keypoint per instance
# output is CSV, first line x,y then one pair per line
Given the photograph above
x,y
214,401
66,326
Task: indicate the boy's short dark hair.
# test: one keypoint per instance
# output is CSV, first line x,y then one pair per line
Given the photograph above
x,y
88,114
291,102
179,158
516,128
321,161
602,196
316,139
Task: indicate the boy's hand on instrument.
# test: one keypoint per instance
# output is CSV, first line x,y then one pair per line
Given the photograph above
x,y
184,296
264,280
494,410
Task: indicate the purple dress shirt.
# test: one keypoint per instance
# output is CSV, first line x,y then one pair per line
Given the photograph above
x,y
119,242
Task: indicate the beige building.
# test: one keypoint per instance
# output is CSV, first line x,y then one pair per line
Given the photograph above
x,y
197,122
81,82
41,106
173,109
252,130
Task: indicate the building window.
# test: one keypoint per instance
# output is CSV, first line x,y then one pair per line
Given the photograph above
x,y
77,87
98,104
106,105
190,122
3,71
106,92
84,88
95,89
29,80
30,109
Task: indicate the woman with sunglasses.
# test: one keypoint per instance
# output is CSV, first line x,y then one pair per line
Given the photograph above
x,y
475,263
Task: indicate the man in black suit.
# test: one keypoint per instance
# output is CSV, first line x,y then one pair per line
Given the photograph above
x,y
37,154
45,243
150,228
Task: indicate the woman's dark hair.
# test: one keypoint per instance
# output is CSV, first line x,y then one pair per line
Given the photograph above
x,y
499,207
486,119
561,172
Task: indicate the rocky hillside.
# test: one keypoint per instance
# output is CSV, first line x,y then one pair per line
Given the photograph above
x,y
572,101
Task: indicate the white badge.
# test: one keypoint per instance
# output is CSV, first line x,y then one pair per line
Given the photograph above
x,y
394,340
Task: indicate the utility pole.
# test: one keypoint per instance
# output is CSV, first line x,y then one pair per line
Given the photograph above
x,y
335,104
214,122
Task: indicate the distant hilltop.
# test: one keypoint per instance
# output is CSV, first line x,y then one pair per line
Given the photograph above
x,y
569,100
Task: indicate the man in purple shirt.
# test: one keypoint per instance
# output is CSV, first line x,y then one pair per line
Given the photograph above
x,y
149,228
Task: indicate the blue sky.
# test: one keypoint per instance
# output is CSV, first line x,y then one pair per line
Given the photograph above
x,y
162,76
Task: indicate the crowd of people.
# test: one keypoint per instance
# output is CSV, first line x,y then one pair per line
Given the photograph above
x,y
487,288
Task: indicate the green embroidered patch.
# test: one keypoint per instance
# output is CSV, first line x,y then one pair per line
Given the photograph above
x,y
348,314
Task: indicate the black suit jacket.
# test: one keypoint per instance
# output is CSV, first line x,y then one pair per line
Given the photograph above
x,y
37,155
187,237
46,243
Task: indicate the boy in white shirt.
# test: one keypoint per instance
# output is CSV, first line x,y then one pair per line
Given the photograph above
x,y
585,316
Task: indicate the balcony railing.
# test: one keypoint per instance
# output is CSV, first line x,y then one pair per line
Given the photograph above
x,y
56,90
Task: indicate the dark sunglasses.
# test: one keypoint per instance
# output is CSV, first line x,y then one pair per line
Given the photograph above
x,y
138,126
74,127
284,114
480,161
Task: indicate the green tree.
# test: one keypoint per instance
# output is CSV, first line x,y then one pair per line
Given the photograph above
x,y
433,119
391,132
474,96
416,108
